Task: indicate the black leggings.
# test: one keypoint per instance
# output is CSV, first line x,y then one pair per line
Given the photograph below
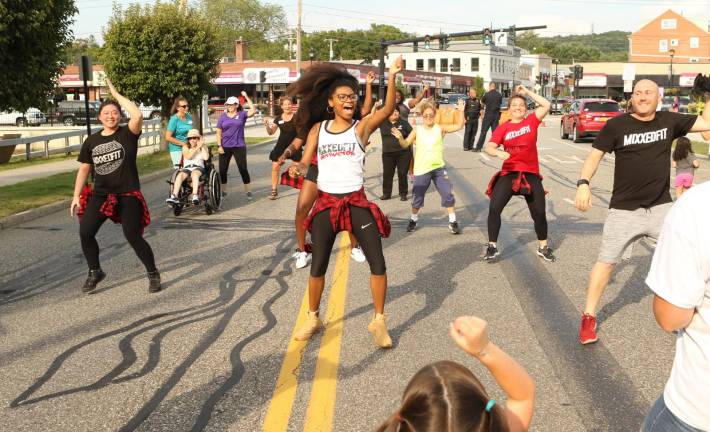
x,y
365,231
131,210
240,156
503,191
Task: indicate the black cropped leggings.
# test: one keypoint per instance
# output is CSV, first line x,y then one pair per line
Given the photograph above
x,y
503,191
240,156
365,231
131,210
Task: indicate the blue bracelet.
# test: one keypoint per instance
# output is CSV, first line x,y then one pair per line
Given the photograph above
x,y
490,405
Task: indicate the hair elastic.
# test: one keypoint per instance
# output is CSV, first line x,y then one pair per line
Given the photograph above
x,y
398,417
490,405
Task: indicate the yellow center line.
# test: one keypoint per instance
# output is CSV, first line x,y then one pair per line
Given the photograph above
x,y
279,411
319,417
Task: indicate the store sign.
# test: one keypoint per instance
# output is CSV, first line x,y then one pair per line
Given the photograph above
x,y
593,80
686,79
629,72
273,75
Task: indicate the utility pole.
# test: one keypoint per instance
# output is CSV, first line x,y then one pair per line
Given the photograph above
x,y
298,40
290,46
183,6
330,41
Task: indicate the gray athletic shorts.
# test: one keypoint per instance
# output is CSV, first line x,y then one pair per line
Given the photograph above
x,y
622,227
442,183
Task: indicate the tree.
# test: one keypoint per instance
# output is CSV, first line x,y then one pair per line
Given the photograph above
x,y
262,26
79,47
155,53
33,36
478,86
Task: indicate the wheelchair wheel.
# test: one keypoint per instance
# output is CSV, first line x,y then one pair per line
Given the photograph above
x,y
171,182
177,210
213,192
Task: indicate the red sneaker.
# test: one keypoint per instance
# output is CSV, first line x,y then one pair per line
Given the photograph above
x,y
588,329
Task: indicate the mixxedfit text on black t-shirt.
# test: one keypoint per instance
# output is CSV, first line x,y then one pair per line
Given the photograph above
x,y
643,157
113,159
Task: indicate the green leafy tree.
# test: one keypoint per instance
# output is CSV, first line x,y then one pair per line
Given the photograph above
x,y
478,86
608,46
33,36
83,46
262,26
154,53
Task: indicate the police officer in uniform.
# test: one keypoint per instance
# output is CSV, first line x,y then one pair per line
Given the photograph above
x,y
472,112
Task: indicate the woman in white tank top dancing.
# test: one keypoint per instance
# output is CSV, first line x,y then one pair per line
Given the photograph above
x,y
329,100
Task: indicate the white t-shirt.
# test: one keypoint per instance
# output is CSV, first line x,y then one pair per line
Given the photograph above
x,y
341,160
680,274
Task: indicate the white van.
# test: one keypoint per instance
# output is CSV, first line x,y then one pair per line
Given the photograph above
x,y
33,117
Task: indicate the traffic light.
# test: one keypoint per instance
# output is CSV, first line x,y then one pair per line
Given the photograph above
x,y
511,36
545,78
443,43
262,76
427,42
415,46
487,36
578,72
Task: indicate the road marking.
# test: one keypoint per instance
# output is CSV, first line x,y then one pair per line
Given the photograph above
x,y
542,159
559,160
484,157
281,405
319,417
577,159
277,416
567,200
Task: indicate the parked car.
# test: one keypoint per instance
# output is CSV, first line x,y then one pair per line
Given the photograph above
x,y
668,101
70,113
449,98
586,117
32,117
556,105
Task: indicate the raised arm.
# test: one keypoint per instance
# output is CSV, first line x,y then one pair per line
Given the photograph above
x,y
543,104
413,102
404,142
583,199
135,124
370,123
250,106
460,106
471,335
367,104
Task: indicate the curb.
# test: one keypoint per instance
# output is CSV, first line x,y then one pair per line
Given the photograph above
x,y
38,212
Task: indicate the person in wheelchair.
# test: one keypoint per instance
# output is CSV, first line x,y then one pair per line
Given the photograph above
x,y
194,155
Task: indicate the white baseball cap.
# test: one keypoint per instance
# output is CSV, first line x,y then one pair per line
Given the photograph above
x,y
232,100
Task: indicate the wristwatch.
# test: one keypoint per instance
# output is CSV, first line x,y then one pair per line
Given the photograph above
x,y
580,182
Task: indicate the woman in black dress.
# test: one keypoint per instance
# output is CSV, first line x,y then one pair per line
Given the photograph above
x,y
284,123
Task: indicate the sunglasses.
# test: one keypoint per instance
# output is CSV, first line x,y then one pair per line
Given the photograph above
x,y
183,106
193,138
428,115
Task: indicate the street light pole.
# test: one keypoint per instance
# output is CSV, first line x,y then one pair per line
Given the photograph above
x,y
670,78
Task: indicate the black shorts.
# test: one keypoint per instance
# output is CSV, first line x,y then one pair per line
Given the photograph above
x,y
190,169
279,149
312,174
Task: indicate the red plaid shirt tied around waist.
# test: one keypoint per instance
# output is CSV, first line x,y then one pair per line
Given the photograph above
x,y
108,208
340,211
520,184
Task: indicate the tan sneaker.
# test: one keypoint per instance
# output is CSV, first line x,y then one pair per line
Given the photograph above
x,y
309,328
379,331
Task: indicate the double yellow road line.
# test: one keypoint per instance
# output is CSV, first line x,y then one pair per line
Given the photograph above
x,y
319,416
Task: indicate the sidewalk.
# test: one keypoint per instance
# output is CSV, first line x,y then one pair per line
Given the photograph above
x,y
12,176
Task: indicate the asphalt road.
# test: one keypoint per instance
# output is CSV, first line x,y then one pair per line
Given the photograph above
x,y
213,351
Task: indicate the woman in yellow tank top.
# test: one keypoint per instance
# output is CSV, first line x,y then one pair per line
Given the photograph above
x,y
429,162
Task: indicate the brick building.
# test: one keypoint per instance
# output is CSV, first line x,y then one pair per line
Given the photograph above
x,y
671,35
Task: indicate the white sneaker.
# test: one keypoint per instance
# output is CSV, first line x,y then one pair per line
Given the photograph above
x,y
357,254
302,259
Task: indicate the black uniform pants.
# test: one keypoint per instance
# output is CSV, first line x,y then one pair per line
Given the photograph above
x,y
469,135
489,121
395,160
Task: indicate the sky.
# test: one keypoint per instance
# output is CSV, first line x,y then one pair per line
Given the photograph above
x,y
448,16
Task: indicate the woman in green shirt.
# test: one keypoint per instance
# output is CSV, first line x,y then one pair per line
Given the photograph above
x,y
429,162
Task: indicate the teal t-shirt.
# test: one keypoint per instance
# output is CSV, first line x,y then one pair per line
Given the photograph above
x,y
179,128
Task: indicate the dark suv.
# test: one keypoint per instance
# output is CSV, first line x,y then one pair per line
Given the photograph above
x,y
586,117
70,113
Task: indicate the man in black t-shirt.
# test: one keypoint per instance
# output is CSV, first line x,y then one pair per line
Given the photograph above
x,y
471,111
492,102
394,156
640,198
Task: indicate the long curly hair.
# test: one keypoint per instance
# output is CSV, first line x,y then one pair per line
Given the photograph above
x,y
445,396
682,149
314,88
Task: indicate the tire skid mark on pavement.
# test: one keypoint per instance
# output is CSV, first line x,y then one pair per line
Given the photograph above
x,y
583,371
319,414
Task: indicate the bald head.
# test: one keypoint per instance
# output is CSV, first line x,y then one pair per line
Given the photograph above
x,y
645,98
